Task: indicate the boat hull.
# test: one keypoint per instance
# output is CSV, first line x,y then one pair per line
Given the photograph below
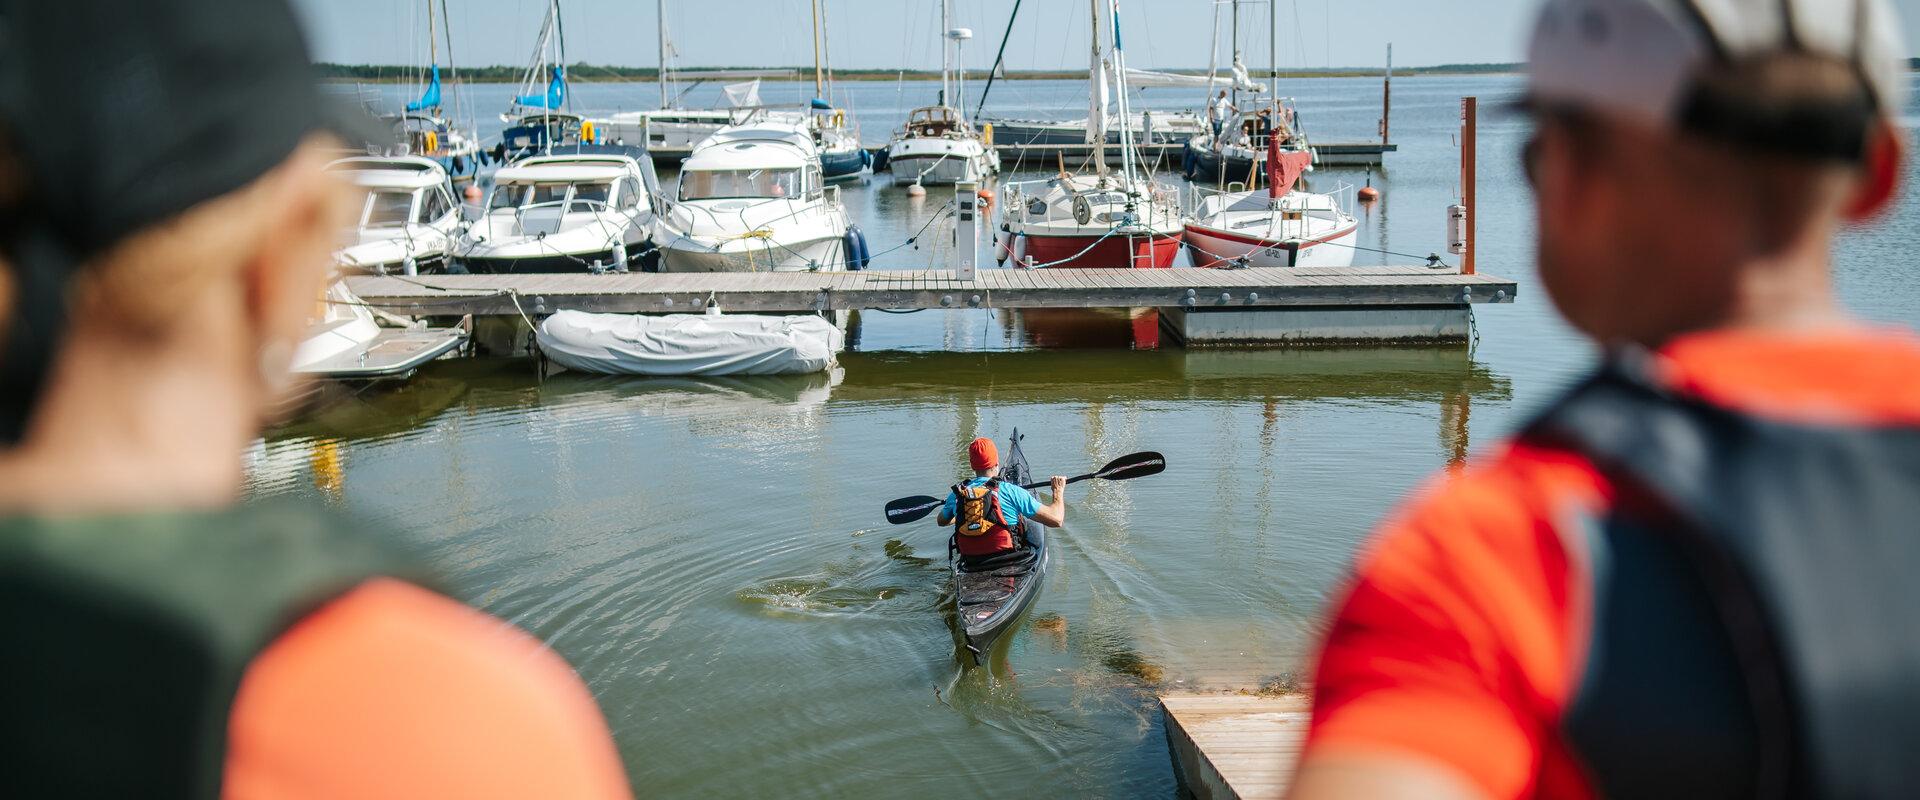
x,y
843,164
1212,247
754,255
640,258
936,170
1139,251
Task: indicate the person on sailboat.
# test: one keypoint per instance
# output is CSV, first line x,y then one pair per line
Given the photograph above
x,y
986,512
1220,111
1692,576
162,638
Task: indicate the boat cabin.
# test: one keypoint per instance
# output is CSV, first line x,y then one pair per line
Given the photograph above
x,y
753,163
934,122
545,193
399,191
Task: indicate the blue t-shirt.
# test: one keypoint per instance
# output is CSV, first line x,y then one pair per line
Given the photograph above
x,y
1016,503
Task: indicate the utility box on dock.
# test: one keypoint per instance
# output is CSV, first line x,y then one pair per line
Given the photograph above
x,y
966,230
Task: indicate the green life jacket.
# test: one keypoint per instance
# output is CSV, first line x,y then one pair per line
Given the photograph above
x,y
125,637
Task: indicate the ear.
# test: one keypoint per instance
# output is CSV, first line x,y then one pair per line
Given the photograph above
x,y
1879,176
286,273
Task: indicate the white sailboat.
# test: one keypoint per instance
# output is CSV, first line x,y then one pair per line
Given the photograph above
x,y
1278,226
428,129
1106,219
753,199
539,115
938,144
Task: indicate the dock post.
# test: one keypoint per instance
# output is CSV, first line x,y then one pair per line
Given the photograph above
x,y
966,230
1469,132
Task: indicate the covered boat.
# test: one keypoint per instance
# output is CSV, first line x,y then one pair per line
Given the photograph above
x,y
689,344
989,598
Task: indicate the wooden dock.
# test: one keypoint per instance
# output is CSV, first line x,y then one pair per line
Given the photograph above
x,y
1236,746
790,292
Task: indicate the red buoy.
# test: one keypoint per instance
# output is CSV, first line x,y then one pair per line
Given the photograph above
x,y
1369,194
986,197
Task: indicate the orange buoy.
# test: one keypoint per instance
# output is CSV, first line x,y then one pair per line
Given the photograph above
x,y
986,197
472,193
1369,194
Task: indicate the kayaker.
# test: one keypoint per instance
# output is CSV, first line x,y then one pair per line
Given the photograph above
x,y
993,510
160,250
1692,576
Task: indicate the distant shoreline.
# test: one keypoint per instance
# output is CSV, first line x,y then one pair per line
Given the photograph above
x,y
587,73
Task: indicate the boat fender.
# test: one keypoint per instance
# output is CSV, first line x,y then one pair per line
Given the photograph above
x,y
432,141
880,160
1002,244
1020,248
866,158
855,248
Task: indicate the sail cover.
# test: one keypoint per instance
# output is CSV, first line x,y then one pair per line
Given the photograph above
x,y
556,94
743,95
1143,79
431,97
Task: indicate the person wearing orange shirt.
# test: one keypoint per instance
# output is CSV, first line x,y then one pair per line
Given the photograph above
x,y
1692,576
165,225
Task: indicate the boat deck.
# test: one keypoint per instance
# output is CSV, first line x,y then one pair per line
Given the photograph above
x,y
1236,746
1044,156
788,292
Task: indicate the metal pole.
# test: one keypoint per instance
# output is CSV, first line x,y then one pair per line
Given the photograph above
x,y
1386,101
1469,128
661,14
946,52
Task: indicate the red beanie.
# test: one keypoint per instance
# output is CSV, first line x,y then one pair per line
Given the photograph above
x,y
983,455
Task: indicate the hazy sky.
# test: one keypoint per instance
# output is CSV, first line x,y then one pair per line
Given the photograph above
x,y
894,33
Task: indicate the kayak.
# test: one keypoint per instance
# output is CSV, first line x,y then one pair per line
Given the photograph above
x,y
990,598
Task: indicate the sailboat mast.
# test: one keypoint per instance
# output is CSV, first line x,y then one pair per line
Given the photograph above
x,y
453,72
818,78
1273,57
946,52
433,40
1213,61
1097,90
1235,80
826,46
660,14
1120,102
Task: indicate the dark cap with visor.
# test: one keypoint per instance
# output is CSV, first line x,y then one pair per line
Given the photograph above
x,y
118,114
1643,60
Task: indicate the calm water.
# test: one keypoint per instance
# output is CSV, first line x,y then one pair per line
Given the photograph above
x,y
711,556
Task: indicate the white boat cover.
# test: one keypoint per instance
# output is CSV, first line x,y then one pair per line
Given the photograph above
x,y
689,344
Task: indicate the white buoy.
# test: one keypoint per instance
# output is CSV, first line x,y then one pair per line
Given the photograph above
x,y
916,190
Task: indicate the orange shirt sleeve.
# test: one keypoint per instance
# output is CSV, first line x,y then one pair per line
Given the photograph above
x,y
392,691
1457,641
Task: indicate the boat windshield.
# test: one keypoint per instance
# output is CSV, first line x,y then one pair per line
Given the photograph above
x,y
387,208
716,184
587,195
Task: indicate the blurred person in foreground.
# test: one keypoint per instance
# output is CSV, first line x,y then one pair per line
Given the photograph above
x,y
165,227
1694,575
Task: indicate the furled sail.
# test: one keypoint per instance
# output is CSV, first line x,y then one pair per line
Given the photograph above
x,y
431,97
1142,79
556,94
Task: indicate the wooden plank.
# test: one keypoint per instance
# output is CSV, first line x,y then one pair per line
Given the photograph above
x,y
1235,746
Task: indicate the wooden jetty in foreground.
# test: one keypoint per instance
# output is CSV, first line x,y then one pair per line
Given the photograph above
x,y
1236,746
1221,306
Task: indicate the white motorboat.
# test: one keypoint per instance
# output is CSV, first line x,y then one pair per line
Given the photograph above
x,y
1107,219
582,208
1278,226
346,341
408,220
752,199
938,144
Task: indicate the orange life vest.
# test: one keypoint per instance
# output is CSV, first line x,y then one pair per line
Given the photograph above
x,y
980,529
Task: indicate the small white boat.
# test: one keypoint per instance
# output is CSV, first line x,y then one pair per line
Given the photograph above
x,y
408,220
664,130
1278,226
938,144
346,342
583,208
752,199
689,344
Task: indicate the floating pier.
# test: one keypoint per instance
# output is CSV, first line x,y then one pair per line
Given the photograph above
x,y
1200,306
1236,746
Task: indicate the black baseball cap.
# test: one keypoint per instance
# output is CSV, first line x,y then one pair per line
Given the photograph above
x,y
118,114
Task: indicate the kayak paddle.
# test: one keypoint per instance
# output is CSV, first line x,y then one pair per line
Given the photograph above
x,y
1138,465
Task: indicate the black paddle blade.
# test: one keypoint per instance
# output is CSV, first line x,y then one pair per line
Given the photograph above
x,y
908,509
1138,465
